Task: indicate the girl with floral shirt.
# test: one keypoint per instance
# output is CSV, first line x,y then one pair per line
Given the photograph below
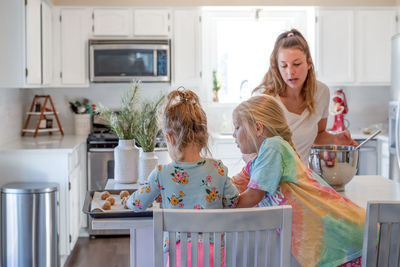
x,y
327,228
190,181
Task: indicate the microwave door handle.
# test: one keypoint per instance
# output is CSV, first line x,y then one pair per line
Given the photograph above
x,y
155,62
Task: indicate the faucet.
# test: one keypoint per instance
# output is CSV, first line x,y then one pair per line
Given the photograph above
x,y
241,87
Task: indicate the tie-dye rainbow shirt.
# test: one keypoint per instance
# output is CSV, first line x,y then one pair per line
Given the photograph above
x,y
327,229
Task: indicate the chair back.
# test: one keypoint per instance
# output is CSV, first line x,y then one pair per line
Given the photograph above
x,y
252,236
381,246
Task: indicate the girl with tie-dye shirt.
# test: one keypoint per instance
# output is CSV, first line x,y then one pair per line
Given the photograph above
x,y
327,229
190,181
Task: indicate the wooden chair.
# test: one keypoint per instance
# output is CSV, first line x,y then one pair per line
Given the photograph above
x,y
250,235
383,248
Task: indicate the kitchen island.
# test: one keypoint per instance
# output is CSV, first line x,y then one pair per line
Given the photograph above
x,y
360,190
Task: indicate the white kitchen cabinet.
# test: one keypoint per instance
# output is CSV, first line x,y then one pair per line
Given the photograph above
x,y
33,43
383,157
12,45
186,47
375,29
38,43
112,21
48,159
75,26
335,46
224,148
151,22
353,46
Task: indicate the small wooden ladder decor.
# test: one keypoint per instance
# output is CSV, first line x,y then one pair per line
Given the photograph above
x,y
33,111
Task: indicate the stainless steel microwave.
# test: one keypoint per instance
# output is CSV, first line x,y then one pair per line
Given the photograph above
x,y
125,60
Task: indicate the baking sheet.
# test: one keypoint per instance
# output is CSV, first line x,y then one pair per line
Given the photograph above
x,y
93,207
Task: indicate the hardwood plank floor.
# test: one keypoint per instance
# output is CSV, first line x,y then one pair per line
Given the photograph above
x,y
100,251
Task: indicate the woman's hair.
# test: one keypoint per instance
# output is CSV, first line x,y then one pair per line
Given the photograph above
x,y
185,119
267,111
273,84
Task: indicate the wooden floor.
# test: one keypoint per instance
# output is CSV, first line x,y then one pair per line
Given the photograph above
x,y
100,251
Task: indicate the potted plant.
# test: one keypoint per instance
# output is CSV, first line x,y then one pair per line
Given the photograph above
x,y
216,86
123,124
145,132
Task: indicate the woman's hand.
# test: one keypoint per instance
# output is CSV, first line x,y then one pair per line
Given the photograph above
x,y
344,138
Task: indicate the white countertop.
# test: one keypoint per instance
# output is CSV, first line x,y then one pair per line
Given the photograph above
x,y
48,142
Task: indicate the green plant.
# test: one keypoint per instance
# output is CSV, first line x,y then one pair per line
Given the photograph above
x,y
123,122
147,124
216,82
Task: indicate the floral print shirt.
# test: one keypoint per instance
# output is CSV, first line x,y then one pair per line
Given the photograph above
x,y
202,184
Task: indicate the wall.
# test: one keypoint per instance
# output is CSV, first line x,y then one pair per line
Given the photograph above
x,y
105,93
226,2
11,103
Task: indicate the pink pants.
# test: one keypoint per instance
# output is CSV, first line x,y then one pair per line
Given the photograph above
x,y
200,255
354,263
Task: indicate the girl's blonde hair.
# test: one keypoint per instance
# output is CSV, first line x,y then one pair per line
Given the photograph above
x,y
185,119
267,111
273,84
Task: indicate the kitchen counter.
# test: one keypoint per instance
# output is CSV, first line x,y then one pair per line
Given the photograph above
x,y
61,143
360,190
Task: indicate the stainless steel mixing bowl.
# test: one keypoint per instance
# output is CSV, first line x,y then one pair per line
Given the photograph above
x,y
337,165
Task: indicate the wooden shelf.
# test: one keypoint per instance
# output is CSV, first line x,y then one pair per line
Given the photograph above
x,y
39,113
43,130
42,101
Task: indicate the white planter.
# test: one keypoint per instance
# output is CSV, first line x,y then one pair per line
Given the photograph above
x,y
147,162
82,124
126,159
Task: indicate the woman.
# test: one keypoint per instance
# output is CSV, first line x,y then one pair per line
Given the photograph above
x,y
305,101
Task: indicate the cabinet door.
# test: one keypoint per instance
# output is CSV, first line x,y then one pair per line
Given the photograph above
x,y
33,43
151,22
375,29
74,35
74,207
335,45
12,45
186,47
47,47
111,22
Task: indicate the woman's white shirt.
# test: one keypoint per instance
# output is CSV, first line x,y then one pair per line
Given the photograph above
x,y
305,129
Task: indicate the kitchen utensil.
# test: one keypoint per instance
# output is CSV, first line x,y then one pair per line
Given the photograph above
x,y
337,165
368,139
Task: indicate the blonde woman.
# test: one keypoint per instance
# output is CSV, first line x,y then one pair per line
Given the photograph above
x,y
305,101
327,229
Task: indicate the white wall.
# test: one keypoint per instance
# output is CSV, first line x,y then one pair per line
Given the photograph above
x,y
106,93
11,110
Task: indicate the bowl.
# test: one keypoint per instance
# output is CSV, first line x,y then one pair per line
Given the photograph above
x,y
337,165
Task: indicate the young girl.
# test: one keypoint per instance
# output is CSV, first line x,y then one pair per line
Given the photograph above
x,y
327,228
190,181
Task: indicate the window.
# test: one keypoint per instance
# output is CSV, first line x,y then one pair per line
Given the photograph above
x,y
238,44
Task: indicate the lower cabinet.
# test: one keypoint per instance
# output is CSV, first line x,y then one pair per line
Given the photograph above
x,y
67,168
223,147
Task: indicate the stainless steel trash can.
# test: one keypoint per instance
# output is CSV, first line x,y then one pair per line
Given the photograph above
x,y
29,224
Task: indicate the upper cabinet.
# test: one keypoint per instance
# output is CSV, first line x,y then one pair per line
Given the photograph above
x,y
75,26
111,22
186,48
12,45
353,46
151,22
38,43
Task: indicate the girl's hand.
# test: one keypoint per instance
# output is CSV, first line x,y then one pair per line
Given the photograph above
x,y
159,199
344,138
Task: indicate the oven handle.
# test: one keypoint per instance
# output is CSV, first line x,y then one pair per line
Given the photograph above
x,y
101,149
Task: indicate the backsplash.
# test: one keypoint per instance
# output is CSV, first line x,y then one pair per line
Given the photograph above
x,y
11,102
368,105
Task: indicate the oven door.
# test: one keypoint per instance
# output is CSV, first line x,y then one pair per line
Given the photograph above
x,y
100,167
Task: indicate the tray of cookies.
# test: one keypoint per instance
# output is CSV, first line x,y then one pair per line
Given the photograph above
x,y
111,204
